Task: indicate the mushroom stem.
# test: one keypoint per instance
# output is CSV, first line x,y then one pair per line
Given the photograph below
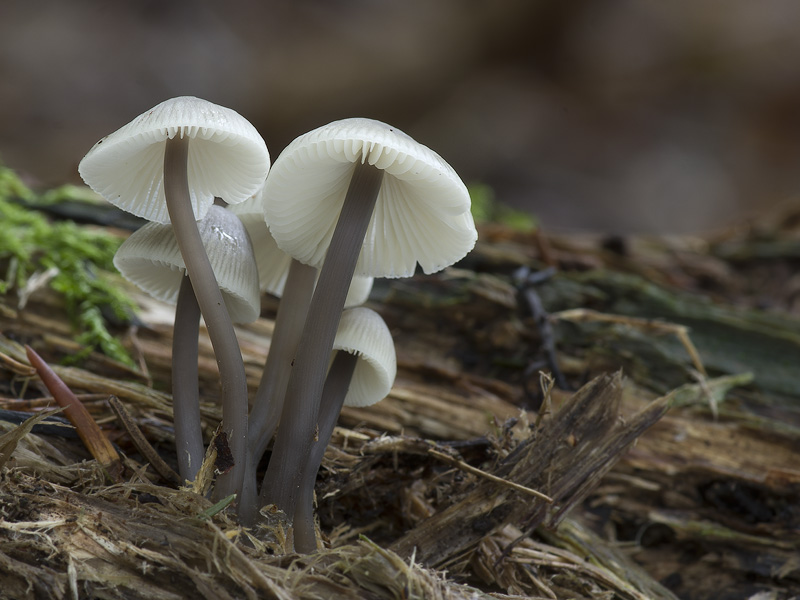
x,y
185,395
248,500
301,403
212,307
292,311
333,394
268,402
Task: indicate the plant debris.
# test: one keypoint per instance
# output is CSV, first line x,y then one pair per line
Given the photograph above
x,y
668,473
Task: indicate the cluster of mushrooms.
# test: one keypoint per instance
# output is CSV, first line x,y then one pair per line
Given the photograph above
x,y
347,202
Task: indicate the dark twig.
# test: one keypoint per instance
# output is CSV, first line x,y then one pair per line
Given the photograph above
x,y
140,442
52,425
526,280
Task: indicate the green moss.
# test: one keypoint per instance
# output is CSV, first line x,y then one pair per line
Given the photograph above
x,y
487,209
70,193
80,259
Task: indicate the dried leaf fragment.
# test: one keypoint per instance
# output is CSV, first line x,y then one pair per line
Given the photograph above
x,y
9,441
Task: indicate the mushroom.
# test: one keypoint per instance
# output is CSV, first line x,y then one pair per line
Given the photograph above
x,y
151,259
362,373
355,196
167,165
292,281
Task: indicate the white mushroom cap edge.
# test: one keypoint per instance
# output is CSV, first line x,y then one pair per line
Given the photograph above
x,y
422,214
227,158
363,332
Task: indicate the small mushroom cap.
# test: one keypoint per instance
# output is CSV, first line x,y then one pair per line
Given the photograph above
x,y
363,332
359,290
227,158
151,259
422,214
273,263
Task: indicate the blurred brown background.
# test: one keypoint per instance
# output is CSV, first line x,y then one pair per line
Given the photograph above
x,y
612,115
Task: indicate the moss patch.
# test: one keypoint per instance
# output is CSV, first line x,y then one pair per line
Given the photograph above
x,y
73,260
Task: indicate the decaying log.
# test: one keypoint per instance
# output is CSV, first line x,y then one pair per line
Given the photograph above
x,y
680,474
565,457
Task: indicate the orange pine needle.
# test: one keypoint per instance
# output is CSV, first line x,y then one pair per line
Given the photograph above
x,y
88,430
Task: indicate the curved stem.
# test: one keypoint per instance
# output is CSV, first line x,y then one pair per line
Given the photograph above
x,y
301,404
333,394
209,297
185,393
268,401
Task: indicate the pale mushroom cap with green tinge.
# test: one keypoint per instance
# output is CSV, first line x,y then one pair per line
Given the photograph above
x,y
150,258
422,214
363,332
227,158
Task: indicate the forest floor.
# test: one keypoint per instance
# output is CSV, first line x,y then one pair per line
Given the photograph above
x,y
573,417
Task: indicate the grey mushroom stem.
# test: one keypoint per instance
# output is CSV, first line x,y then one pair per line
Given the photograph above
x,y
292,311
268,401
212,307
185,394
333,394
301,404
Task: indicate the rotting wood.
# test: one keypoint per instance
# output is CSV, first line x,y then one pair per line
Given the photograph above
x,y
690,487
564,458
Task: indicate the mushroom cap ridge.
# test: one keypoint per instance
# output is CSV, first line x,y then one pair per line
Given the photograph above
x,y
227,159
422,214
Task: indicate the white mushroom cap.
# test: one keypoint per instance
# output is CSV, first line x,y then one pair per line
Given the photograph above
x,y
363,332
422,214
273,263
150,258
227,158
